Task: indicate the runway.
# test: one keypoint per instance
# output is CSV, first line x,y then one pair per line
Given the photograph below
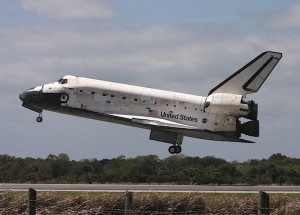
x,y
151,188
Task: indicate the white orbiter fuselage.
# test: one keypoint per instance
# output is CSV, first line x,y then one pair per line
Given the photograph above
x,y
169,115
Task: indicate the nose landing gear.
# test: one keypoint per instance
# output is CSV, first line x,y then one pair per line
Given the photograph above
x,y
39,119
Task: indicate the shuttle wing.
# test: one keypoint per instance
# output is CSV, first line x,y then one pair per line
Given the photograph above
x,y
153,122
250,77
171,132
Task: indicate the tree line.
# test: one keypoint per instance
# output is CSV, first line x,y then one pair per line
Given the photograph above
x,y
177,169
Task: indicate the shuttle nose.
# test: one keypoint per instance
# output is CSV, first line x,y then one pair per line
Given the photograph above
x,y
31,99
23,96
30,95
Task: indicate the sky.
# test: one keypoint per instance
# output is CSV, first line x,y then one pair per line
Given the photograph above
x,y
184,46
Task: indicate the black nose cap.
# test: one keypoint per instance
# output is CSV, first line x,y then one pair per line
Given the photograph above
x,y
22,96
31,96
27,96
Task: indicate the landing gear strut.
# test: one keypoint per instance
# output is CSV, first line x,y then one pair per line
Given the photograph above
x,y
168,137
175,149
39,119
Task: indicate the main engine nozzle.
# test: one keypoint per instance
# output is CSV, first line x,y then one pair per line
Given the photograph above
x,y
253,110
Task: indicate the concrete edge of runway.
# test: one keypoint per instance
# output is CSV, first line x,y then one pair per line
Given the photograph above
x,y
150,188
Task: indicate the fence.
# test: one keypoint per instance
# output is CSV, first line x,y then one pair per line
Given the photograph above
x,y
262,208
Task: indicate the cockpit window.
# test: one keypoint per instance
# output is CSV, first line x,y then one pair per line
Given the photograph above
x,y
62,81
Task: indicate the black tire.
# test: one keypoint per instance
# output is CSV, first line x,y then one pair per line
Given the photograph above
x,y
172,150
39,119
178,149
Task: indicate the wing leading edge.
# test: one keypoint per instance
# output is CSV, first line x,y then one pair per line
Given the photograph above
x,y
250,77
153,122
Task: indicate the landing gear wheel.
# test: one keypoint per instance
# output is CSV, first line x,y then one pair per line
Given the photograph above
x,y
39,119
175,149
172,150
178,149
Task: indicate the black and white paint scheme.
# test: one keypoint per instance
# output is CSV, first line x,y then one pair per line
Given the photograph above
x,y
223,115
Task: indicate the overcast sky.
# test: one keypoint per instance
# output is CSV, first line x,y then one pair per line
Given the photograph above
x,y
187,46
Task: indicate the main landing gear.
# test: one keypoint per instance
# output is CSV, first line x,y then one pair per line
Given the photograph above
x,y
175,149
39,119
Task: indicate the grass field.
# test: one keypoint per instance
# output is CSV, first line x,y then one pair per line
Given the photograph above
x,y
15,202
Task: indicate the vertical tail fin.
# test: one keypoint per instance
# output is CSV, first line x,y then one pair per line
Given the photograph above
x,y
250,77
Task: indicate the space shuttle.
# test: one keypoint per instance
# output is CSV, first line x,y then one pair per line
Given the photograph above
x,y
223,115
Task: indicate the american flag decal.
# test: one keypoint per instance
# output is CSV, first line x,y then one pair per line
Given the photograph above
x,y
153,113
